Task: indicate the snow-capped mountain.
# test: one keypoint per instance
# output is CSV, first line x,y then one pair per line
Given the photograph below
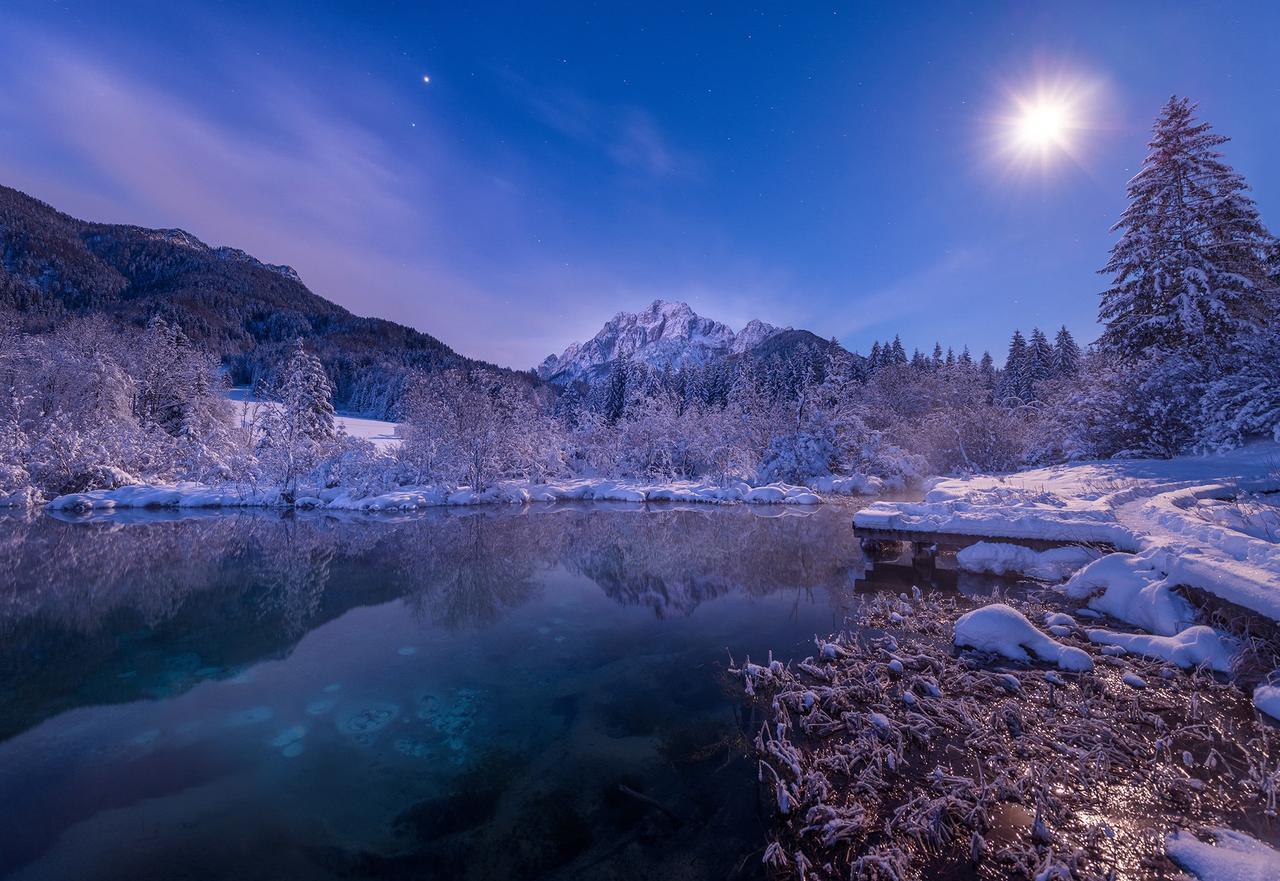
x,y
664,335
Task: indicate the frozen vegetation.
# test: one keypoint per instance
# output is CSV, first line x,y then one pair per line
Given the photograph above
x,y
888,754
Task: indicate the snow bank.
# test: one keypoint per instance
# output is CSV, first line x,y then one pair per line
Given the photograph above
x,y
179,495
1201,521
1234,856
851,485
952,506
1267,699
1005,559
1190,648
194,495
1132,589
1006,631
24,497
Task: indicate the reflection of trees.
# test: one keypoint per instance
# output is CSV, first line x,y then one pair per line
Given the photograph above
x,y
100,612
465,571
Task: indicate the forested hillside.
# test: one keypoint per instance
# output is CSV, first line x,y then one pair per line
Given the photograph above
x,y
53,266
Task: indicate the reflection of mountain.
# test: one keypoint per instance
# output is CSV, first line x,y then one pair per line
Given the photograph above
x,y
104,612
676,561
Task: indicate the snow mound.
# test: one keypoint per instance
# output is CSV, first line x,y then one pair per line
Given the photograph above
x,y
1190,648
998,558
1267,699
1006,631
1132,589
850,485
1234,856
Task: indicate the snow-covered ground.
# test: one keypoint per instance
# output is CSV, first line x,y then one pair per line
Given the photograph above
x,y
1199,521
380,433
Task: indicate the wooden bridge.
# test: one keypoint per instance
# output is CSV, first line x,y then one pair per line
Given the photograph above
x,y
925,546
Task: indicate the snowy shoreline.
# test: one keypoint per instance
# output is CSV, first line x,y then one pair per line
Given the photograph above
x,y
194,495
1204,522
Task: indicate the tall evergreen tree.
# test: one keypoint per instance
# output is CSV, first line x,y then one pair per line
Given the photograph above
x,y
615,392
987,369
1037,366
1189,271
1066,354
897,354
1011,384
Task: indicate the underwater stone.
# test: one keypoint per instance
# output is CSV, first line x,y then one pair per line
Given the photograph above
x,y
367,719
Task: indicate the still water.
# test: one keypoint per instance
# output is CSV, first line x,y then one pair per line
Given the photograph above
x,y
477,694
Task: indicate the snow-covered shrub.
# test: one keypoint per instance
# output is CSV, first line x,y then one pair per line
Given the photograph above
x,y
475,429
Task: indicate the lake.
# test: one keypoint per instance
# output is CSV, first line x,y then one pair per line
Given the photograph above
x,y
459,693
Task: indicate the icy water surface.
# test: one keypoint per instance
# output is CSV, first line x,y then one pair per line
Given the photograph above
x,y
481,694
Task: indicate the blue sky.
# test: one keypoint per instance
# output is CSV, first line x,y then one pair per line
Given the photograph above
x,y
838,168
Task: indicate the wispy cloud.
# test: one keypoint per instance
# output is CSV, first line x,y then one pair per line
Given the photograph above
x,y
628,136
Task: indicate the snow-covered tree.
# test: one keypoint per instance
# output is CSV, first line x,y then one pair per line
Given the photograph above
x,y
1066,354
1037,366
1189,272
1012,385
475,429
300,421
1244,400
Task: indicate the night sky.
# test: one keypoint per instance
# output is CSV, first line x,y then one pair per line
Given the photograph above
x,y
842,169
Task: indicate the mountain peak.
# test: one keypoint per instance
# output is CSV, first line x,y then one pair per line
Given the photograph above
x,y
665,334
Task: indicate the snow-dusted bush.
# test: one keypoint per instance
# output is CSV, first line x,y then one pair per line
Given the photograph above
x,y
475,429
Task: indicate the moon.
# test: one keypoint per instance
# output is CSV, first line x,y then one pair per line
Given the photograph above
x,y
425,78
1042,124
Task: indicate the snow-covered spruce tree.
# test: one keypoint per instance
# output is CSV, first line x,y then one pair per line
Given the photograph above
x,y
1189,272
614,400
897,354
300,422
1011,386
1037,367
1190,283
987,369
1244,401
1066,354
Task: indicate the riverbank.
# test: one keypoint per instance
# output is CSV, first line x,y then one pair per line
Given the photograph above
x,y
1211,523
920,742
195,495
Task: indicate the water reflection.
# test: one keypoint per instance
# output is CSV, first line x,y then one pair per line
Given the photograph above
x,y
459,693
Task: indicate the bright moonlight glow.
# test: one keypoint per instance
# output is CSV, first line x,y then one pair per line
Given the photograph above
x,y
425,78
1043,125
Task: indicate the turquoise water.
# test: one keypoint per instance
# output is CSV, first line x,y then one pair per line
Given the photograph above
x,y
482,694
